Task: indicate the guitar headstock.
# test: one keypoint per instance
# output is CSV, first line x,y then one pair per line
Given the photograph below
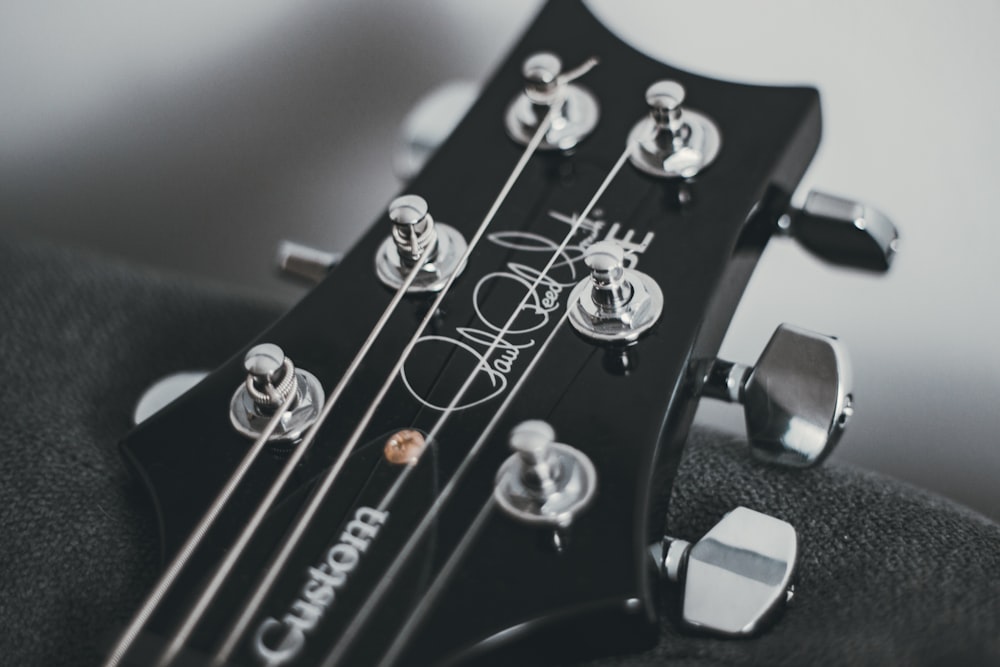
x,y
556,282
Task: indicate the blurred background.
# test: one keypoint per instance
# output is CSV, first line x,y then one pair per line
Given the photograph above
x,y
195,136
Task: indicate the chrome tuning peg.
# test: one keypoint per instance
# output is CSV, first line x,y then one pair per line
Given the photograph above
x,y
414,233
545,84
271,378
735,577
614,303
304,263
672,141
843,231
544,482
797,398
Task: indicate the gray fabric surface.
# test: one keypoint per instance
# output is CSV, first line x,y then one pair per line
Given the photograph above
x,y
80,340
888,574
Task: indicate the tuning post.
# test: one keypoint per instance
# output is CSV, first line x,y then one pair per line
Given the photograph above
x,y
271,379
545,84
545,482
270,376
734,578
672,141
414,234
614,303
843,231
797,398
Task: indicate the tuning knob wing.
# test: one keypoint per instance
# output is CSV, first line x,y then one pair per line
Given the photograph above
x,y
797,398
735,577
844,231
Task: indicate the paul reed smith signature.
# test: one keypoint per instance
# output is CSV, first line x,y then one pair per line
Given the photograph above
x,y
544,301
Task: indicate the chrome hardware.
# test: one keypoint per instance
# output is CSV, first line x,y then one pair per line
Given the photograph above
x,y
415,232
843,231
797,399
163,392
736,576
304,263
614,303
429,124
544,84
672,142
544,482
271,376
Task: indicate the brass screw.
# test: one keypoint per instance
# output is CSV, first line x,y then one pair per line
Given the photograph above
x,y
404,446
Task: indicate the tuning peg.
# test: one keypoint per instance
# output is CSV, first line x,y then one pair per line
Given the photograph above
x,y
735,577
545,84
843,231
271,378
796,398
304,263
544,482
415,233
672,141
614,303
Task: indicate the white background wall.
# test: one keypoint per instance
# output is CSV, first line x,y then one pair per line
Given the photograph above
x,y
194,136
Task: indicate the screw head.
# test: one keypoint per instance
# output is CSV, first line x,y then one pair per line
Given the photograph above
x,y
404,446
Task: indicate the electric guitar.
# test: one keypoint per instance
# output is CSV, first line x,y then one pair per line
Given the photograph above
x,y
456,447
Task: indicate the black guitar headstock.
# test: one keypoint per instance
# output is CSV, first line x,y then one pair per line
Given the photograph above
x,y
455,444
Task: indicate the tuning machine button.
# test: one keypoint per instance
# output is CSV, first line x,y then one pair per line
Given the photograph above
x,y
614,303
304,263
734,578
797,398
271,377
415,232
163,392
843,231
545,482
545,84
673,141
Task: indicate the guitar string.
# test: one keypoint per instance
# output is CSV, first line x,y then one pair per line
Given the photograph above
x,y
152,600
318,496
188,548
386,580
402,637
232,555
560,251
351,631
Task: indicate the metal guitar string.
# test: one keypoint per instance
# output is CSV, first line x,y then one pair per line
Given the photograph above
x,y
403,636
350,632
319,494
337,652
152,600
559,251
235,551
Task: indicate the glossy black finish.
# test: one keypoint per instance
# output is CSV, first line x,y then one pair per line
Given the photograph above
x,y
629,411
